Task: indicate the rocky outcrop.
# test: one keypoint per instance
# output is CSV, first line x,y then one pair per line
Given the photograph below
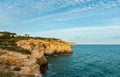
x,y
18,63
72,43
48,47
34,63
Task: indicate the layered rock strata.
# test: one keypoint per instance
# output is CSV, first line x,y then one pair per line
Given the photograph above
x,y
34,63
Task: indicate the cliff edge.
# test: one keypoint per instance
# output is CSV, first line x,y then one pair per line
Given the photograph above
x,y
48,47
35,62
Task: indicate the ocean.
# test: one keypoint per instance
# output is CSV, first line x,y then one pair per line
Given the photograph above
x,y
86,61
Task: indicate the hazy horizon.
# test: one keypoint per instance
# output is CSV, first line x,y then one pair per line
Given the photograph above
x,y
80,21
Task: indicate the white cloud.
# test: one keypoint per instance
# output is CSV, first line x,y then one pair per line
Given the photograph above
x,y
72,13
22,9
101,34
85,29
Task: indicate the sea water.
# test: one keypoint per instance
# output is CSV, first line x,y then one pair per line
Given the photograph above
x,y
86,61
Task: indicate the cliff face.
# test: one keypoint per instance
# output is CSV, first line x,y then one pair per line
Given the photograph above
x,y
35,62
48,47
18,63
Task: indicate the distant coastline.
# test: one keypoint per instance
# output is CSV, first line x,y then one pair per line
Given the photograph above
x,y
72,43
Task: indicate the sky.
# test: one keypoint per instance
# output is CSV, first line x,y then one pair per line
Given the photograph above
x,y
80,21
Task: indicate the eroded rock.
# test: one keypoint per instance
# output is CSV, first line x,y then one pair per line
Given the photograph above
x,y
34,63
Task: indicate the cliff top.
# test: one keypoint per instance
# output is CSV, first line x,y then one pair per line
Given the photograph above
x,y
8,41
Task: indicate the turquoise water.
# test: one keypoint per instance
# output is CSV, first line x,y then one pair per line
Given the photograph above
x,y
87,61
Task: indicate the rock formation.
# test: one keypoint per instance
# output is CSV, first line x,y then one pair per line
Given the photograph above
x,y
10,60
34,63
48,47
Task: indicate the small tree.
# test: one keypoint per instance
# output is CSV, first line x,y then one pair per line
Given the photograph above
x,y
7,34
27,35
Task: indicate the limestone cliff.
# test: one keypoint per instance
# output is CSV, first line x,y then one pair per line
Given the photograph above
x,y
48,47
34,63
10,60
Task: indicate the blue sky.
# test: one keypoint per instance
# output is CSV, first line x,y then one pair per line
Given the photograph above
x,y
81,21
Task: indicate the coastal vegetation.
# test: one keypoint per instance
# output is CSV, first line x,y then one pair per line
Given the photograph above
x,y
6,74
8,41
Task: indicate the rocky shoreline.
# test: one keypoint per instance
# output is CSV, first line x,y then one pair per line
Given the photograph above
x,y
34,63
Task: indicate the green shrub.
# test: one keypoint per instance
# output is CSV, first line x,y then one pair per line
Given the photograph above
x,y
17,69
10,74
6,74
